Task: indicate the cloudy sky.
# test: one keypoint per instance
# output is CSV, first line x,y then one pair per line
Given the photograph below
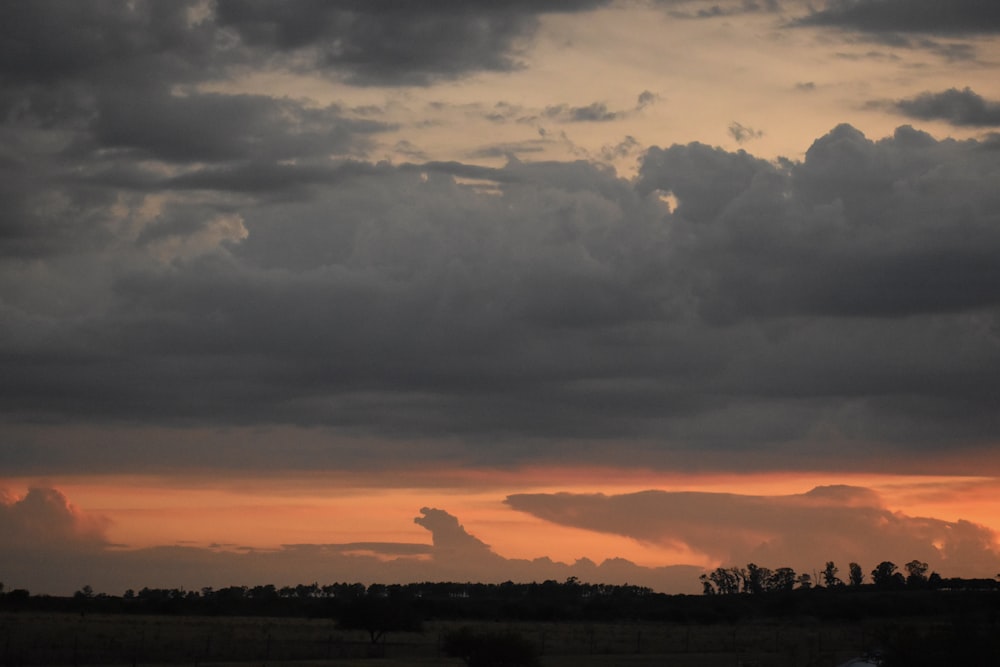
x,y
325,290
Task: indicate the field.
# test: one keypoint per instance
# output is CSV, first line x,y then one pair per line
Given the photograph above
x,y
39,638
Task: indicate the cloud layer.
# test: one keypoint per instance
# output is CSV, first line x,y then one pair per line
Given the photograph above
x,y
839,523
178,251
851,296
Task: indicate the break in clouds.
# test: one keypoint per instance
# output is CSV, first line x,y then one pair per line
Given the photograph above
x,y
54,545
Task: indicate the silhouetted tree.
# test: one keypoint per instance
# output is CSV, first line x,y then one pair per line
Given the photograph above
x,y
758,579
727,581
783,579
830,578
886,576
805,581
378,616
916,574
857,576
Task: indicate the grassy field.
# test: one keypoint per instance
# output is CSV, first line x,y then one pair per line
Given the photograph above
x,y
73,639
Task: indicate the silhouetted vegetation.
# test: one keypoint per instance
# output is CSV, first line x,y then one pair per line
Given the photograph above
x,y
917,619
731,594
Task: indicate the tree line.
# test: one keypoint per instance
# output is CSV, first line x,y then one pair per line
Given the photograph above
x,y
730,593
886,576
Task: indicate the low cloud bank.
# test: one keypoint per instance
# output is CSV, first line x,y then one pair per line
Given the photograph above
x,y
61,549
802,531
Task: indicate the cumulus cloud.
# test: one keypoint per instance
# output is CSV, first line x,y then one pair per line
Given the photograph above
x,y
959,107
801,531
45,519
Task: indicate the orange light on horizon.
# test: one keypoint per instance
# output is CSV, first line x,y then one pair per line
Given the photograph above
x,y
265,512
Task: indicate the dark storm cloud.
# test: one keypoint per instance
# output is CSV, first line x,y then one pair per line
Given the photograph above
x,y
48,41
801,531
848,297
909,16
389,42
214,127
958,107
379,41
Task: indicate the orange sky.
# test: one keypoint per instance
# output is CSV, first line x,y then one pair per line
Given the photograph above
x,y
266,512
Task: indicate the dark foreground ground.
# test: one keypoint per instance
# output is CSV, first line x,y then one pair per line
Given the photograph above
x,y
52,638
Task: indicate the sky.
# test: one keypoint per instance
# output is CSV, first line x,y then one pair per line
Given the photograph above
x,y
468,290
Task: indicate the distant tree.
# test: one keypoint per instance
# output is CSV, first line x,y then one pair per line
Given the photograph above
x,y
490,650
886,576
379,616
916,574
727,581
805,581
84,593
830,578
857,576
706,585
756,580
783,579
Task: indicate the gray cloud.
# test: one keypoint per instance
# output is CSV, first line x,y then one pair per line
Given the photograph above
x,y
709,9
213,127
385,42
375,42
904,16
846,298
596,112
802,531
48,42
958,107
743,133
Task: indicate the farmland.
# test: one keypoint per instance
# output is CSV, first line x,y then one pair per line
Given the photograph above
x,y
55,638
